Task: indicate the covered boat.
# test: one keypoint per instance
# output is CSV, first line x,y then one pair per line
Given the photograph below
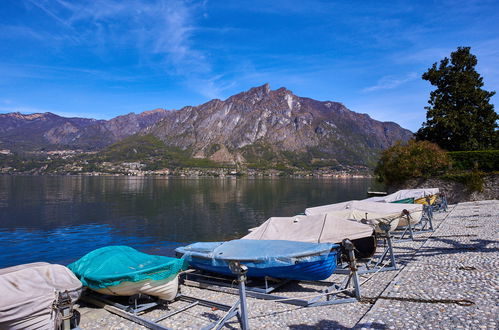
x,y
321,228
373,212
124,271
37,295
419,196
265,258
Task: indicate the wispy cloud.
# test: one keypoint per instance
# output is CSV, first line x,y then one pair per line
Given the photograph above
x,y
486,51
12,31
51,72
159,32
390,82
48,11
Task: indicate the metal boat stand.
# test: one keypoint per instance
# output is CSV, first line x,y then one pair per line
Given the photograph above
x,y
346,292
374,265
132,312
240,270
424,226
441,204
65,310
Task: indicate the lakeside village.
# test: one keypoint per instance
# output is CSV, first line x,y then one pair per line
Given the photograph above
x,y
73,162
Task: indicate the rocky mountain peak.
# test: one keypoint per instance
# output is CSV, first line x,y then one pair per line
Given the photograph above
x,y
283,91
153,112
264,89
253,95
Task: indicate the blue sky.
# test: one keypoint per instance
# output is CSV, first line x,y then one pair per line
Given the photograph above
x,y
101,59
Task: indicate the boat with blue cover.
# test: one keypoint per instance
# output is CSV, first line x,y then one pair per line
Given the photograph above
x,y
265,258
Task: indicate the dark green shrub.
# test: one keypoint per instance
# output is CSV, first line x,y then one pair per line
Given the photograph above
x,y
417,159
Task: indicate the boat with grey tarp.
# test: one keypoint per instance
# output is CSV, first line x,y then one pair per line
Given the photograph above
x,y
37,296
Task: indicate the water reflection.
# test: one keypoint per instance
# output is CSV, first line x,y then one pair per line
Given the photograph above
x,y
58,219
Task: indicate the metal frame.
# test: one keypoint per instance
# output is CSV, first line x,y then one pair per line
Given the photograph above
x,y
240,270
424,226
426,219
130,312
329,296
441,205
374,265
64,307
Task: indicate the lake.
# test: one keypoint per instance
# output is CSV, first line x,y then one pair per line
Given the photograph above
x,y
59,219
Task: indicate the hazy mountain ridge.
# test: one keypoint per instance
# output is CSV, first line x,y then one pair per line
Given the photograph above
x,y
39,130
258,124
47,130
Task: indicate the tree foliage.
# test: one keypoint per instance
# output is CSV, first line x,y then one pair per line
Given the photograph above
x,y
483,160
459,115
417,159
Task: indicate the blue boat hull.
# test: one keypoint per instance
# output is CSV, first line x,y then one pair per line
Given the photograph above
x,y
315,270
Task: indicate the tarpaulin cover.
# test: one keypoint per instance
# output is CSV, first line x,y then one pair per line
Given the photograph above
x,y
279,259
322,228
29,292
404,194
374,212
111,265
271,253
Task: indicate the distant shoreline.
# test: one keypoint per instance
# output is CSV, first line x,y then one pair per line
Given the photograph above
x,y
311,176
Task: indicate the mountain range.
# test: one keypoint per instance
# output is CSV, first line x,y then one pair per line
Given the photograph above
x,y
258,125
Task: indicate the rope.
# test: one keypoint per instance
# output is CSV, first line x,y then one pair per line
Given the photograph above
x,y
460,302
306,297
69,316
376,272
328,293
460,267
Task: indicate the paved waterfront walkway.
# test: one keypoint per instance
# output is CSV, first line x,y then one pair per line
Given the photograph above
x,y
459,260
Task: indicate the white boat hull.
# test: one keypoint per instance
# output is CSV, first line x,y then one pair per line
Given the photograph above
x,y
164,289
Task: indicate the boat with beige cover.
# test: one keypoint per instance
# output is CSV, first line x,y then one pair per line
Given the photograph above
x,y
395,215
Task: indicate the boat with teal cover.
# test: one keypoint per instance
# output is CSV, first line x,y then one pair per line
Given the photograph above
x,y
404,201
124,271
265,258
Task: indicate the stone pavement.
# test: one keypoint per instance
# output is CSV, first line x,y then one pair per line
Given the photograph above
x,y
459,260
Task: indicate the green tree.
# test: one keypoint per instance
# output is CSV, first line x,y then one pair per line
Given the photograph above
x,y
459,115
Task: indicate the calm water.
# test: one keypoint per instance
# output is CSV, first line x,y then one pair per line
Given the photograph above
x,y
59,219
